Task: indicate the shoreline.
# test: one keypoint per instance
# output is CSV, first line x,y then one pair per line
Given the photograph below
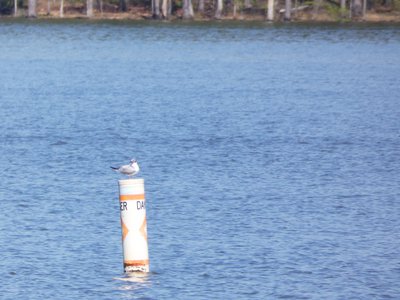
x,y
142,14
369,19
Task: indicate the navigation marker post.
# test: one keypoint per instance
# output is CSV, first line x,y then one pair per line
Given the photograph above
x,y
133,225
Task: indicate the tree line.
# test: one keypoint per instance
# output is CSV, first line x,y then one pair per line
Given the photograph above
x,y
188,9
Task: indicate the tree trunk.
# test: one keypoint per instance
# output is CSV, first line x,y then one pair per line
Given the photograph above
x,y
270,16
100,6
343,8
48,7
15,8
364,8
234,9
89,8
357,9
187,9
288,10
62,9
155,9
220,7
201,6
32,9
164,9
122,5
191,11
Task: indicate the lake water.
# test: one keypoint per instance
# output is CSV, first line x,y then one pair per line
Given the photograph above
x,y
270,153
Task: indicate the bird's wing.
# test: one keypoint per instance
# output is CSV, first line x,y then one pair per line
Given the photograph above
x,y
126,169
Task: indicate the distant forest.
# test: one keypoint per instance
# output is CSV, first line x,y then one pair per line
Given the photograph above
x,y
271,10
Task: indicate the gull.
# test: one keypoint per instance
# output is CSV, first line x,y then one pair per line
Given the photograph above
x,y
131,170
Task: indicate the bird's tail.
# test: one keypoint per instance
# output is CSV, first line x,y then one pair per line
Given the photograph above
x,y
114,168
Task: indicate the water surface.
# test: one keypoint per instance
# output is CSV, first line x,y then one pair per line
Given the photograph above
x,y
270,155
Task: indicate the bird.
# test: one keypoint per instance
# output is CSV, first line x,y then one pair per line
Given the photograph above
x,y
131,169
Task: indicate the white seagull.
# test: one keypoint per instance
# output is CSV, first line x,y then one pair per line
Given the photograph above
x,y
131,170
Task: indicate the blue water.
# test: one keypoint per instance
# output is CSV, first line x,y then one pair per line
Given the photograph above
x,y
271,158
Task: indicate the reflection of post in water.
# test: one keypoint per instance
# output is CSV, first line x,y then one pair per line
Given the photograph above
x,y
133,225
135,281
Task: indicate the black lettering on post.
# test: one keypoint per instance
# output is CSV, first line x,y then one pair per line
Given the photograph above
x,y
140,205
123,206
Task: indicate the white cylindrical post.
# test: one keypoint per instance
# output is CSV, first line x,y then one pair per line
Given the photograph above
x,y
133,225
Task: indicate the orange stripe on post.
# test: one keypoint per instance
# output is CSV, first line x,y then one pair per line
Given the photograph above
x,y
135,263
131,197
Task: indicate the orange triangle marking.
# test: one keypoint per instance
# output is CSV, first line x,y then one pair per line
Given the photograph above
x,y
143,229
125,230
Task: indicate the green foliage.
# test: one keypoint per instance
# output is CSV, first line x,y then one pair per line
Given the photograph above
x,y
309,2
178,4
396,4
72,2
336,12
113,2
239,3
